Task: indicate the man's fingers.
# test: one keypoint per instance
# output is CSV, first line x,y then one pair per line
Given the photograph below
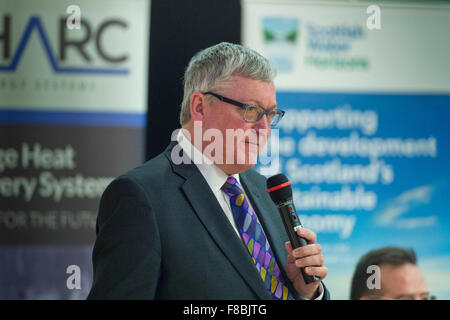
x,y
290,257
288,247
316,260
307,234
320,272
302,252
308,250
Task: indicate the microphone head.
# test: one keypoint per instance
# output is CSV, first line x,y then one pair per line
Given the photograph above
x,y
279,188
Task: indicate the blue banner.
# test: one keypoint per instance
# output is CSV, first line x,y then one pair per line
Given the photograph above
x,y
369,170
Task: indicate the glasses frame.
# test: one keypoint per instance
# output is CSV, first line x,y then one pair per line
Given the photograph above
x,y
244,106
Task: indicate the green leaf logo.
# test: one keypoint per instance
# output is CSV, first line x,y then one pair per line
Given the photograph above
x,y
268,36
292,36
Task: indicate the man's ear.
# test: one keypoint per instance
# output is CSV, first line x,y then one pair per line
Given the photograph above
x,y
197,106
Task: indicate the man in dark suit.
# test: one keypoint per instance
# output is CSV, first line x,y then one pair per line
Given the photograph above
x,y
195,222
389,273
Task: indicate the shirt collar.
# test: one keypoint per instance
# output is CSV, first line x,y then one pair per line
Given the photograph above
x,y
213,175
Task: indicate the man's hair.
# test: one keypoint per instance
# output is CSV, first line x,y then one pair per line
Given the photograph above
x,y
394,256
210,69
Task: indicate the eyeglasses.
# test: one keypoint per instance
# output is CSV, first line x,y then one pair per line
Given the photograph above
x,y
253,112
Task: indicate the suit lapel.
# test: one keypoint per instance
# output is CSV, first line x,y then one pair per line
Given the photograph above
x,y
211,215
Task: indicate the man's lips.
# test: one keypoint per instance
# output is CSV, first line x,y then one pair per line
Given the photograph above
x,y
251,143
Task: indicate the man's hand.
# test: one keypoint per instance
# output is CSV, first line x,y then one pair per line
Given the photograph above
x,y
309,257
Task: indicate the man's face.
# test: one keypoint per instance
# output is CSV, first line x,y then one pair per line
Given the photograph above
x,y
240,147
402,282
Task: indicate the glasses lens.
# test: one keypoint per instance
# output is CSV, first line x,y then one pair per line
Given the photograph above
x,y
252,112
425,296
274,117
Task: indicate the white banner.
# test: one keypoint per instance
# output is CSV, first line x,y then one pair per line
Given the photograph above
x,y
365,140
61,55
318,45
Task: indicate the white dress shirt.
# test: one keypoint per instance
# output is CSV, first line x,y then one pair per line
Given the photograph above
x,y
213,175
215,178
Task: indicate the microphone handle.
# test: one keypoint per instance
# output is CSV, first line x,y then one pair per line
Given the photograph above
x,y
291,223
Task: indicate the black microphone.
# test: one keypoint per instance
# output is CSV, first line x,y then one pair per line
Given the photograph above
x,y
280,190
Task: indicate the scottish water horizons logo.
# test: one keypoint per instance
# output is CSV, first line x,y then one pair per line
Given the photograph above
x,y
331,46
92,36
288,41
280,37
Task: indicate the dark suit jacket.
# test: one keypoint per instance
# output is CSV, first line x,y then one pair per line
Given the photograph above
x,y
161,234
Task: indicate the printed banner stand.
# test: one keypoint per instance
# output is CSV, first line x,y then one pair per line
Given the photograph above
x,y
73,81
364,139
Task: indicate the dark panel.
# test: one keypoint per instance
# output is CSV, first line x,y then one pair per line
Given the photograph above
x,y
50,194
40,272
178,30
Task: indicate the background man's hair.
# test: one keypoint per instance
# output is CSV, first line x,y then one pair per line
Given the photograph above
x,y
394,256
210,69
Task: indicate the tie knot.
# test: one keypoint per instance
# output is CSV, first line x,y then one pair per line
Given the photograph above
x,y
232,187
231,180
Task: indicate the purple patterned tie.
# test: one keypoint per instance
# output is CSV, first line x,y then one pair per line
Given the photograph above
x,y
254,238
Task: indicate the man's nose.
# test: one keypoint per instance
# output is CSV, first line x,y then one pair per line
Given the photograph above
x,y
262,123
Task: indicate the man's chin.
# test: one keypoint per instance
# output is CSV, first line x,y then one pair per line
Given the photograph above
x,y
242,160
236,168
